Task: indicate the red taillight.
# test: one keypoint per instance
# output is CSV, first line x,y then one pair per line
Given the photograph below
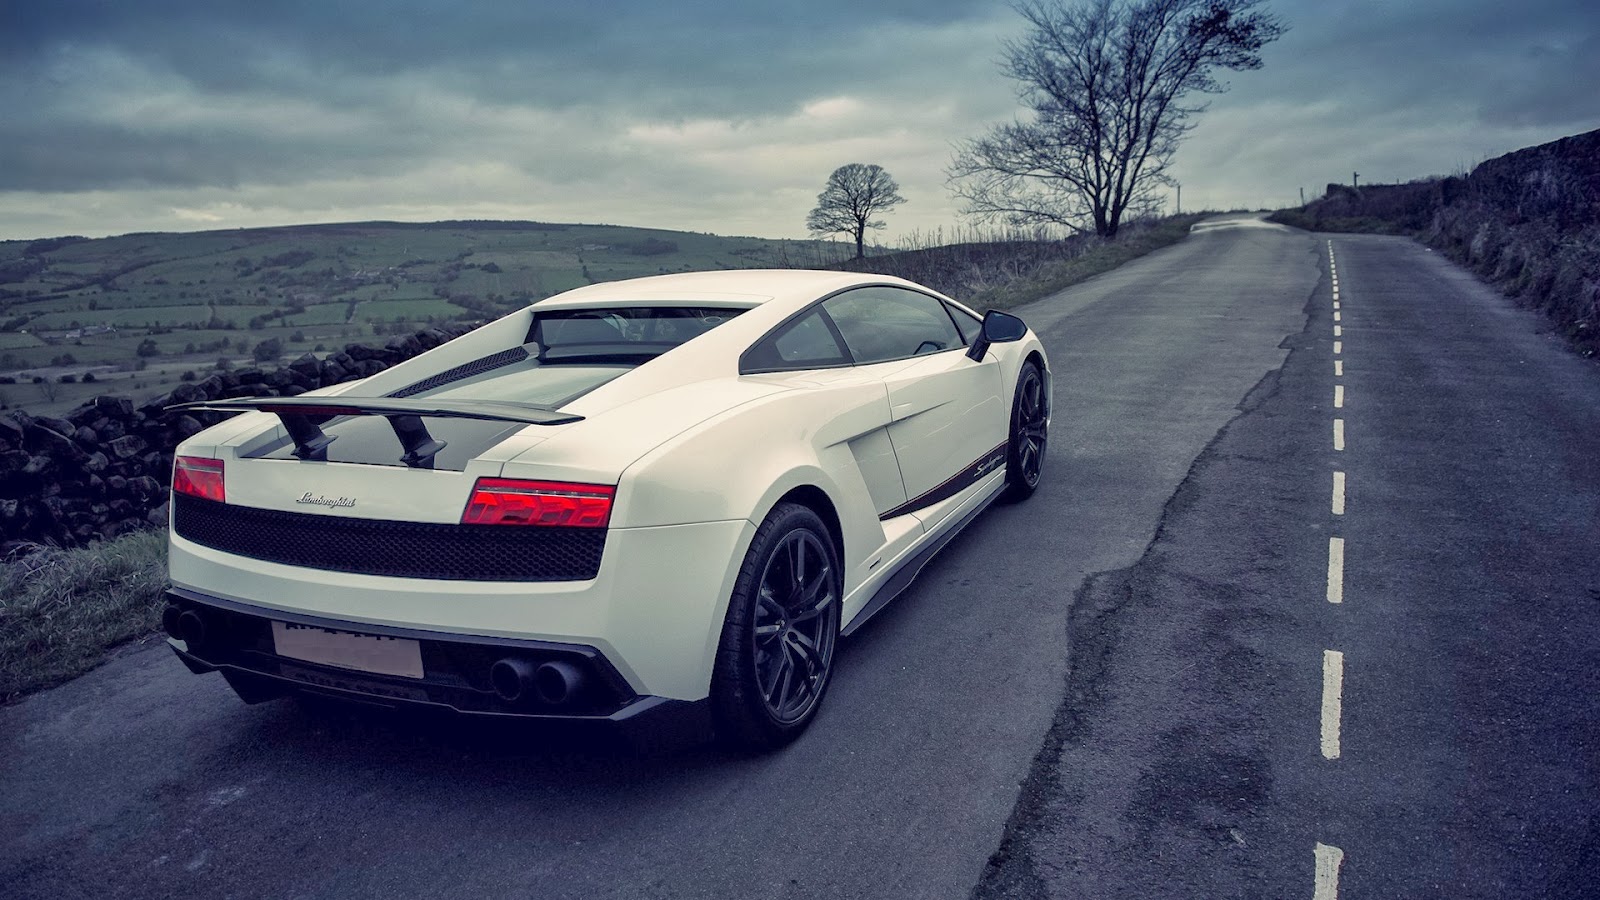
x,y
512,501
198,476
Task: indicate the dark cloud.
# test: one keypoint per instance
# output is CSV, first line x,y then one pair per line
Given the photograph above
x,y
81,77
697,114
694,57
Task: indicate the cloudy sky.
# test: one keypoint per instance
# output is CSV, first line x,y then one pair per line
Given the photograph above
x,y
157,115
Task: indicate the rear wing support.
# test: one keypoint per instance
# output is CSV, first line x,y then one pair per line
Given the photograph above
x,y
303,418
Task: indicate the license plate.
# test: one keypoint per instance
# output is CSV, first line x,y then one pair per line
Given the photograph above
x,y
348,650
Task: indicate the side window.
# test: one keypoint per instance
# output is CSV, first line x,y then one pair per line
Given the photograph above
x,y
969,324
884,323
805,343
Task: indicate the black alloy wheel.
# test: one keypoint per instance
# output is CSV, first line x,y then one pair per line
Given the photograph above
x,y
1030,426
782,627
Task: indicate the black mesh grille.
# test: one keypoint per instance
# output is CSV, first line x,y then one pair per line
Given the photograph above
x,y
402,549
465,370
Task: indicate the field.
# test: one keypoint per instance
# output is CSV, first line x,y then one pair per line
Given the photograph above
x,y
139,314
141,309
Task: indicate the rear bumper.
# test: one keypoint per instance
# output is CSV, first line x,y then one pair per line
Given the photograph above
x,y
654,611
238,643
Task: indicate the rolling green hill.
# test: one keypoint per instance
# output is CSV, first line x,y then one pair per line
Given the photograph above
x,y
327,278
74,305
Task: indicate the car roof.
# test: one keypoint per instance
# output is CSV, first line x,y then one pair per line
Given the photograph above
x,y
737,287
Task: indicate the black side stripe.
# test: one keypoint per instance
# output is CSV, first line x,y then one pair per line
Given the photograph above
x,y
954,485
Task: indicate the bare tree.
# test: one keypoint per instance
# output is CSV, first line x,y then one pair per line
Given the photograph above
x,y
1110,86
853,195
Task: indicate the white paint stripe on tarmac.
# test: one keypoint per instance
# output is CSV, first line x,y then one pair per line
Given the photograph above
x,y
1338,434
1338,368
1335,304
1337,331
1335,570
1332,701
1329,859
1338,493
1336,316
1338,347
1338,396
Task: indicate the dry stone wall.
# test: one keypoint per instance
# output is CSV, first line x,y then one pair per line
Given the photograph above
x,y
104,469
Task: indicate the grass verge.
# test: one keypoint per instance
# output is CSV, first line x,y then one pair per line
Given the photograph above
x,y
1097,257
1342,224
60,610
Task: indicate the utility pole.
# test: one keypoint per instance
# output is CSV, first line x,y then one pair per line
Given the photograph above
x,y
1179,186
1302,196
1355,180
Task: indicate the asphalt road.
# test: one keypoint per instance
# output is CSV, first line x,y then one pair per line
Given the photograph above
x,y
1115,689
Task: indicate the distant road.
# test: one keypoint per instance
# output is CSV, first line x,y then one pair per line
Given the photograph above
x,y
1177,557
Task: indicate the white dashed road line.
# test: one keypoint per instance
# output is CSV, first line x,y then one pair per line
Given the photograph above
x,y
1328,861
1332,701
1335,570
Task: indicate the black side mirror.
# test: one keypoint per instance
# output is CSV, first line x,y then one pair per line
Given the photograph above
x,y
998,328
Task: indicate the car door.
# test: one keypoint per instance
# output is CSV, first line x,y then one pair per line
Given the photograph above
x,y
808,352
947,418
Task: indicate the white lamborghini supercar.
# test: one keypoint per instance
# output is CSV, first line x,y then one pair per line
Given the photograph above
x,y
646,501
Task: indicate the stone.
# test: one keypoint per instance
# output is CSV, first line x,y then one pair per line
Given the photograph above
x,y
128,445
307,365
116,407
84,414
13,461
187,393
406,346
158,516
59,426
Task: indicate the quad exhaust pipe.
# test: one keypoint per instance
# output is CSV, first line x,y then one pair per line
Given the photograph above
x,y
187,626
553,683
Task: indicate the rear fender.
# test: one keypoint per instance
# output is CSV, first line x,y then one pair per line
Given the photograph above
x,y
795,439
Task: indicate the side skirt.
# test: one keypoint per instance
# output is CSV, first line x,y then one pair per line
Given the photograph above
x,y
908,570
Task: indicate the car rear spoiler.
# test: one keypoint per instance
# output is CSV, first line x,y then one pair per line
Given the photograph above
x,y
303,418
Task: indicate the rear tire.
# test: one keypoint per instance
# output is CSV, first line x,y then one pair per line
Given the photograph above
x,y
775,658
1030,427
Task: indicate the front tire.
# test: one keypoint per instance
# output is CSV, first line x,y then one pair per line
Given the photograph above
x,y
1030,427
775,658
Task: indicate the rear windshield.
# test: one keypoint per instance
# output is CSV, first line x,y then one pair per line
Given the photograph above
x,y
621,333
